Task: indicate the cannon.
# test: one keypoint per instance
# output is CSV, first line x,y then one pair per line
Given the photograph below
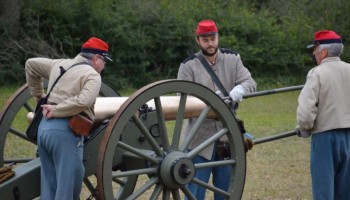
x,y
135,146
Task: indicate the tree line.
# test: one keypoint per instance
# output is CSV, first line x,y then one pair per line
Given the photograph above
x,y
149,38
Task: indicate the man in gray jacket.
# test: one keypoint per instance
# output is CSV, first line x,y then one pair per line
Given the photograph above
x,y
235,78
60,149
324,113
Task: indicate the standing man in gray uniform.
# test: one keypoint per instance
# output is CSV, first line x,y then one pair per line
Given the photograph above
x,y
235,78
324,113
60,150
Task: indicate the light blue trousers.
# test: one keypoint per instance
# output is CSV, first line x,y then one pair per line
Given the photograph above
x,y
61,156
330,165
221,177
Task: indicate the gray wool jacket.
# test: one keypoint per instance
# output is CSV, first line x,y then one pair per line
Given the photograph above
x,y
231,72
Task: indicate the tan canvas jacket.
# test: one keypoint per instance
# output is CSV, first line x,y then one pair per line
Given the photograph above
x,y
75,92
324,102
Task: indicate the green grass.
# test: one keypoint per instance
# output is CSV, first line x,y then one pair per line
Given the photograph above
x,y
275,170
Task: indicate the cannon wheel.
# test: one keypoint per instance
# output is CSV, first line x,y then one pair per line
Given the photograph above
x,y
168,166
15,147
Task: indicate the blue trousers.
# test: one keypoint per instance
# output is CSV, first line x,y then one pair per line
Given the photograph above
x,y
221,177
61,156
330,165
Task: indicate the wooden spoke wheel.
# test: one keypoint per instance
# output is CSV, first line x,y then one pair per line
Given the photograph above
x,y
130,147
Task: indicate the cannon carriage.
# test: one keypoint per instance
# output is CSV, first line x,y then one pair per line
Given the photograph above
x,y
136,144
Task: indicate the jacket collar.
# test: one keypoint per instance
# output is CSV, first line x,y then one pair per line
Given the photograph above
x,y
330,59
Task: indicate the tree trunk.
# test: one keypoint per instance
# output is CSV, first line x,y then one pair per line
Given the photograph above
x,y
9,16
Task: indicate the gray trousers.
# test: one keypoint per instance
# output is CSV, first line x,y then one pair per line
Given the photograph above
x,y
61,155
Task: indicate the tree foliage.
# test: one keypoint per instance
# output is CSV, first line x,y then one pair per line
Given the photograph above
x,y
149,38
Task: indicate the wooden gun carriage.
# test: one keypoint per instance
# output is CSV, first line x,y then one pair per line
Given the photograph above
x,y
135,145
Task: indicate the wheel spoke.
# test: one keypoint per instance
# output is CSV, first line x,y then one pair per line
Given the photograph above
x,y
195,128
206,143
148,136
176,194
121,182
161,122
156,192
179,120
28,107
152,170
19,134
90,187
188,193
143,189
210,187
215,163
166,194
139,152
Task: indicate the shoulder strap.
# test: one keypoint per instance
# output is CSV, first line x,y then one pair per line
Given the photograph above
x,y
212,74
62,71
233,106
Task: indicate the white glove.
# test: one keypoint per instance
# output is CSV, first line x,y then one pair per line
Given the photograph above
x,y
237,93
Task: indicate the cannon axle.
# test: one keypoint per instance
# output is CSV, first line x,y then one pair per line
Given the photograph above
x,y
180,167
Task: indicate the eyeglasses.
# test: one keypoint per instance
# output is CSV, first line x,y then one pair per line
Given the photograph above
x,y
102,58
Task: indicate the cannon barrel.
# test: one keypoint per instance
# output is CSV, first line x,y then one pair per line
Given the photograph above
x,y
106,107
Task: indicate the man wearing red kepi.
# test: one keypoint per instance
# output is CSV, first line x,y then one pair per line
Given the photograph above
x,y
236,80
324,113
60,150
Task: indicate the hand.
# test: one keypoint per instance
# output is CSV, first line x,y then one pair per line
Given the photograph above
x,y
301,133
237,93
47,110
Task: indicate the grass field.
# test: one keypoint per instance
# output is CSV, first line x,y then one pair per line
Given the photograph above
x,y
277,169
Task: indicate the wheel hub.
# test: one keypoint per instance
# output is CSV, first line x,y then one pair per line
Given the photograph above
x,y
176,170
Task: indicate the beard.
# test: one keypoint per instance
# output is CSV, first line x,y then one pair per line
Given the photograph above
x,y
205,52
